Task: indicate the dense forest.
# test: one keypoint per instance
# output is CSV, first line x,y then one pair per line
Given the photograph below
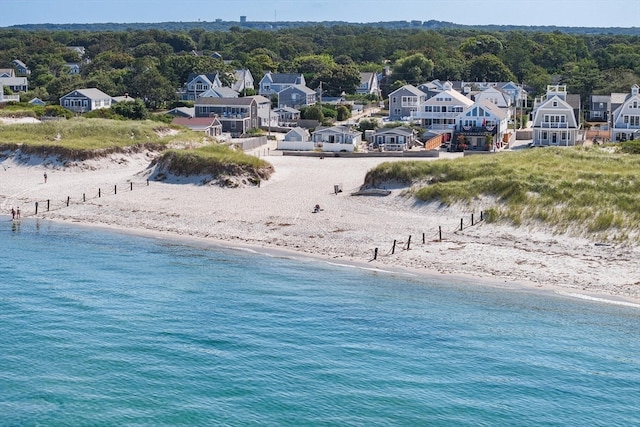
x,y
152,63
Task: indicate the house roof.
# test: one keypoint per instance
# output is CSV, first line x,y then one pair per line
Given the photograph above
x,y
219,92
492,108
287,78
414,90
396,130
260,99
91,93
13,81
618,98
366,77
8,71
245,101
19,63
300,88
601,98
336,129
286,110
196,122
573,99
183,111
300,131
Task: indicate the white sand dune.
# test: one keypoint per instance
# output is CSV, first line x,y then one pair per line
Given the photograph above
x,y
278,215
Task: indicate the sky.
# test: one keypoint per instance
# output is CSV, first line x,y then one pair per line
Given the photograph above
x,y
571,13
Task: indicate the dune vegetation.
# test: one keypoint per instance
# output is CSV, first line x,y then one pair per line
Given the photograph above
x,y
218,162
593,192
86,137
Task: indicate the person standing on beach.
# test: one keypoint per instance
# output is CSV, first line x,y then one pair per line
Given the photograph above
x,y
18,213
13,213
45,177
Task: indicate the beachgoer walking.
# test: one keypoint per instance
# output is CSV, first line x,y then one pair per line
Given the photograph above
x,y
45,177
13,213
18,213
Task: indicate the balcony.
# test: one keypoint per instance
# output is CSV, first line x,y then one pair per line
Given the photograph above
x,y
552,125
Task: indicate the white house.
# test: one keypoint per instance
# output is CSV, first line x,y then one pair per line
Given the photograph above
x,y
336,138
625,120
478,121
297,139
554,119
440,112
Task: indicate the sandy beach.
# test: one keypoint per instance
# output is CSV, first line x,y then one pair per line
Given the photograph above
x,y
279,215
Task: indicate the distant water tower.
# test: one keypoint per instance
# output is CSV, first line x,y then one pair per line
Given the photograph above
x,y
243,19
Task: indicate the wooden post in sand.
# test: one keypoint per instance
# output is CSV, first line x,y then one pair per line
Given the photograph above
x,y
461,223
481,216
472,219
409,243
68,198
48,205
84,197
36,208
98,193
423,239
440,232
131,185
393,249
375,253
115,189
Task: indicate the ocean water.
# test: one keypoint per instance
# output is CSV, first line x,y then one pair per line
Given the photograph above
x,y
105,329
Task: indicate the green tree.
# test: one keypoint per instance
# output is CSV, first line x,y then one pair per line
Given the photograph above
x,y
488,67
133,110
414,69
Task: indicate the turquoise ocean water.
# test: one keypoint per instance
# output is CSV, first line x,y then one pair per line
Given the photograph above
x,y
106,329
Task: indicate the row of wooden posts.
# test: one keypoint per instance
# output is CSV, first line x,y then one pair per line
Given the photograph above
x,y
84,196
424,237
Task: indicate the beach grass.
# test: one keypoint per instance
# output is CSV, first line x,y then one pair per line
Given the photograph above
x,y
80,134
593,191
217,161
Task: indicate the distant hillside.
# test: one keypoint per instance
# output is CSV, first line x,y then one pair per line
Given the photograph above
x,y
219,25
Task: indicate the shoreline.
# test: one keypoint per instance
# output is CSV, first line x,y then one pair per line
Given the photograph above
x,y
277,218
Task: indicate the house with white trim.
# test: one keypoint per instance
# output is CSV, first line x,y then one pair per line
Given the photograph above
x,y
336,138
210,126
296,96
393,139
237,115
477,122
404,101
625,120
198,84
440,113
84,100
272,83
555,121
368,84
243,80
297,139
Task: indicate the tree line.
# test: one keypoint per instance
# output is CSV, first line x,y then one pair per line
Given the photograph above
x,y
152,64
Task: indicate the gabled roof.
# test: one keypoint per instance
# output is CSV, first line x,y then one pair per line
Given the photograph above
x,y
601,98
19,63
7,72
455,97
183,111
618,98
219,92
490,107
366,77
410,88
304,133
403,130
299,88
336,129
260,99
285,78
286,110
91,93
196,122
13,81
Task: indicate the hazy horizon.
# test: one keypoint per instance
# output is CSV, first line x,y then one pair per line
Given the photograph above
x,y
561,13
